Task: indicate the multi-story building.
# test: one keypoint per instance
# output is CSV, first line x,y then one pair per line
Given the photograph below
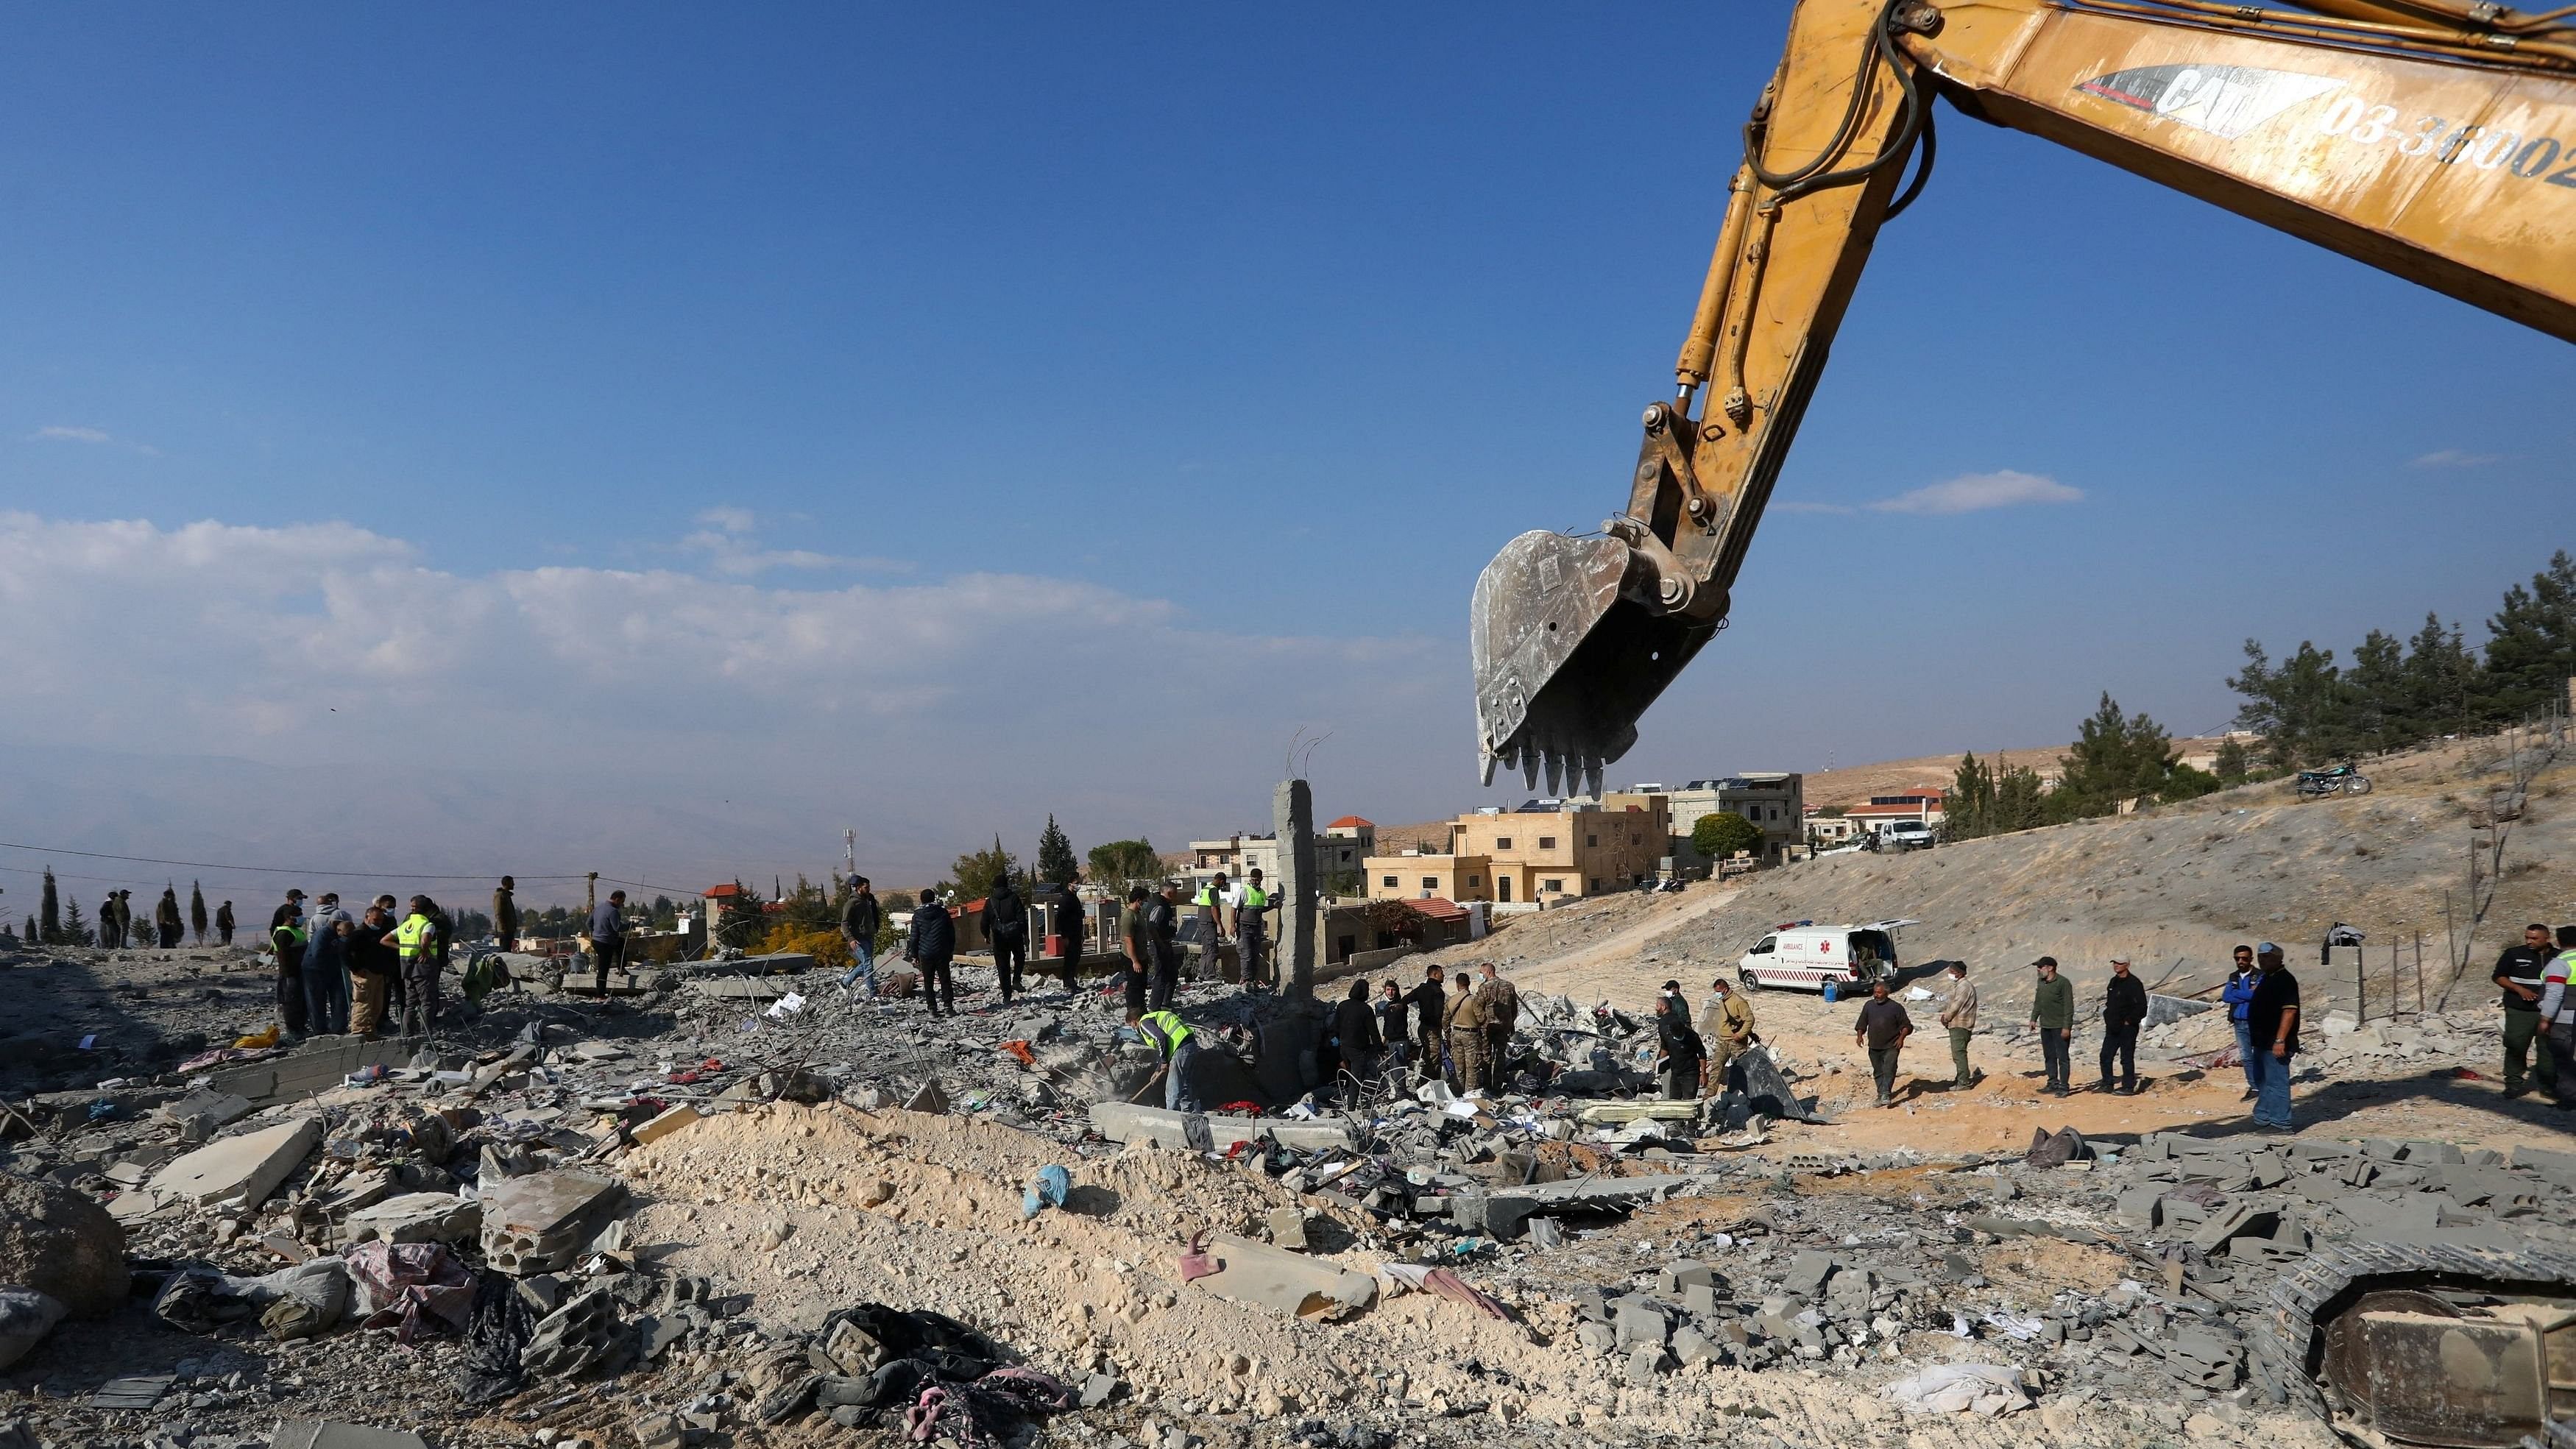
x,y
1341,849
1568,848
1774,800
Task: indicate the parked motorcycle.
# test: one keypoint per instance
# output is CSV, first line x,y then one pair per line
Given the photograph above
x,y
2340,780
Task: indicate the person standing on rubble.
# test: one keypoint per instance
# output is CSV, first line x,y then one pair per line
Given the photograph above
x,y
107,923
396,997
167,922
415,944
1071,927
2238,996
1006,928
1394,1022
287,937
861,918
2519,975
1211,903
224,924
1139,945
1250,899
1162,935
1501,1011
2052,1010
326,979
1959,1014
1355,1034
1429,1016
1679,1050
1466,1027
2124,1010
2558,1013
505,913
2274,1016
125,918
930,945
1725,1032
607,939
1882,1027
371,967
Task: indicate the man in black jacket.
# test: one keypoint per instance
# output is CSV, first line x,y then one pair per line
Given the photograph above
x,y
1678,1045
2124,1010
1071,926
1355,1033
1161,932
860,919
930,945
1006,928
1430,1012
2518,975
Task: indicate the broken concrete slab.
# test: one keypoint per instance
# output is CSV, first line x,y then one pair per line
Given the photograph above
x,y
541,1223
415,1217
248,1167
198,1114
319,1065
665,1124
742,988
1611,1114
321,1434
1504,1212
1199,1132
1289,1282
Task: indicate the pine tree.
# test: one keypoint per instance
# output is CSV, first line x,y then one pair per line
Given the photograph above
x,y
1057,864
2234,761
2297,706
32,937
2531,645
49,913
2117,758
975,873
2377,714
75,929
741,922
197,911
1968,811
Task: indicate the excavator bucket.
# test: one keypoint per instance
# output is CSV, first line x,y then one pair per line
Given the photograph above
x,y
1564,663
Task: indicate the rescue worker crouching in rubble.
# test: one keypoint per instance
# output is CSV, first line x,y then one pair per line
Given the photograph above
x,y
1179,1046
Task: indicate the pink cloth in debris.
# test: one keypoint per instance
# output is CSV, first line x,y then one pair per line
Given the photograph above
x,y
398,1283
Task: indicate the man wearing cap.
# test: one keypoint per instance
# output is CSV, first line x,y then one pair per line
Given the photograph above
x,y
1959,1014
2052,1010
2273,1017
2124,1010
1726,1027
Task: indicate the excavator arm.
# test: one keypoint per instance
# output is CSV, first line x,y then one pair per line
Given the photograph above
x,y
2430,138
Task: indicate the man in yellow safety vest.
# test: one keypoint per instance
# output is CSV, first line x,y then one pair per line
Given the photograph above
x,y
415,944
1172,1037
1251,936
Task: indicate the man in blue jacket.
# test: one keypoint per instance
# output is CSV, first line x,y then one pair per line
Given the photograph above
x,y
2238,995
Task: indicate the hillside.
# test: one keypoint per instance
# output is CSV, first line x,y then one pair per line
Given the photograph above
x,y
2174,888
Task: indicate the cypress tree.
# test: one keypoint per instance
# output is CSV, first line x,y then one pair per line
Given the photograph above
x,y
49,913
197,910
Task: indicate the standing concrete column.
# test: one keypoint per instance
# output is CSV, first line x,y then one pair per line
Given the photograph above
x,y
1292,814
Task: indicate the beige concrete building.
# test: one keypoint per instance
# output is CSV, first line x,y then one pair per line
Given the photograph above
x,y
1774,800
1420,876
1531,855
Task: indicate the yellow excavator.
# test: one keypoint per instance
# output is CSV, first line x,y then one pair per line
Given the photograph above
x,y
2435,139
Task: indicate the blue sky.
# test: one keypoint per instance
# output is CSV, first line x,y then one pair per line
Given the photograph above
x,y
999,347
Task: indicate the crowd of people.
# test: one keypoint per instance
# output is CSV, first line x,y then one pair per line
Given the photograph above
x,y
169,926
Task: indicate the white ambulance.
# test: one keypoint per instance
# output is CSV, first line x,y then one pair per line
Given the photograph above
x,y
1803,956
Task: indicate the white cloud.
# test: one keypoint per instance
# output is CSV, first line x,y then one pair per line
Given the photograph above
x,y
958,703
2455,458
1974,492
59,433
727,539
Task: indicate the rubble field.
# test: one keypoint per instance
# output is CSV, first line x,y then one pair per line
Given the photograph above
x,y
735,1204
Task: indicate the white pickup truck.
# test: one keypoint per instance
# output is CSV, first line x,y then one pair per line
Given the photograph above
x,y
1908,835
1803,956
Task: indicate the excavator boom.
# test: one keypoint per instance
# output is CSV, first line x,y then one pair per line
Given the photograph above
x,y
2435,139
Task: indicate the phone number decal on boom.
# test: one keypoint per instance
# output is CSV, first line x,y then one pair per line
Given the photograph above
x,y
2452,143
